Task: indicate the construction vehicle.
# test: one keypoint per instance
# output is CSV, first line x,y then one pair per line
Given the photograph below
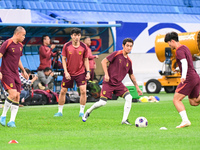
x,y
170,76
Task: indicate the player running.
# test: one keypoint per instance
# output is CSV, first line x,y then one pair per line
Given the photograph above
x,y
77,62
10,52
119,65
190,81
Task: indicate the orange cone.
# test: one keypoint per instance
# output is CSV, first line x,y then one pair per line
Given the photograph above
x,y
12,141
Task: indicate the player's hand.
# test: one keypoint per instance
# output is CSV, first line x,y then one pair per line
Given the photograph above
x,y
25,75
139,92
106,78
53,46
1,75
182,80
67,76
87,76
97,56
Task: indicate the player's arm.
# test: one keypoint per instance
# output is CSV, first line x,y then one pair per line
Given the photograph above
x,y
22,69
64,64
86,63
184,64
104,64
133,79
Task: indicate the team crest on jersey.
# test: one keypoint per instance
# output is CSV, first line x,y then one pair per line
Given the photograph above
x,y
83,82
13,49
104,92
127,65
120,60
70,52
79,52
11,85
63,83
20,48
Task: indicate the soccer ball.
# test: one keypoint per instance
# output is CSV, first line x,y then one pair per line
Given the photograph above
x,y
141,122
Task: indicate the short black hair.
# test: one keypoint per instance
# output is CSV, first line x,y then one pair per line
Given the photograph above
x,y
127,40
27,70
43,37
171,36
86,38
75,30
47,69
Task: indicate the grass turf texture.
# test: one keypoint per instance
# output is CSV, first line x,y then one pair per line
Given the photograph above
x,y
38,129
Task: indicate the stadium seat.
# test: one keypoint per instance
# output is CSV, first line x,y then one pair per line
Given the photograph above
x,y
27,50
3,5
36,60
24,61
31,62
34,50
8,4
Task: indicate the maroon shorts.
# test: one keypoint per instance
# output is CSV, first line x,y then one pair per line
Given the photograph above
x,y
190,88
11,83
80,80
107,90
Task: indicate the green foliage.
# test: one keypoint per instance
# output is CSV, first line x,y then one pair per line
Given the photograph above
x,y
38,129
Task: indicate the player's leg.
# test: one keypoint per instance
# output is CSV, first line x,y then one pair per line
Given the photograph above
x,y
61,101
127,108
81,83
106,92
194,97
83,99
7,104
177,100
96,105
62,96
14,109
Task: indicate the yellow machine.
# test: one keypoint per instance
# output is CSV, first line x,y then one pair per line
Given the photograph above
x,y
170,77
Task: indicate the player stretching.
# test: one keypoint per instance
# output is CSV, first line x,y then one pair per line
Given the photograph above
x,y
190,81
10,52
76,53
119,65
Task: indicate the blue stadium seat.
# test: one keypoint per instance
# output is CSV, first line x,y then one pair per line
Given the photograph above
x,y
55,6
49,5
61,6
33,5
66,6
24,61
26,5
31,62
9,4
34,50
36,60
27,50
39,5
3,5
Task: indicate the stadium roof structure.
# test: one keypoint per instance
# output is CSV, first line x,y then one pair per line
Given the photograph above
x,y
58,30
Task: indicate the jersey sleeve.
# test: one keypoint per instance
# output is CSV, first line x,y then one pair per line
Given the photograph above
x,y
86,53
180,55
3,47
111,57
64,53
130,70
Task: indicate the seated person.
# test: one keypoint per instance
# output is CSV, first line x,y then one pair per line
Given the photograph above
x,y
45,80
26,85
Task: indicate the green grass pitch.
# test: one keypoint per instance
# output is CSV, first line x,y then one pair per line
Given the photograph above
x,y
38,129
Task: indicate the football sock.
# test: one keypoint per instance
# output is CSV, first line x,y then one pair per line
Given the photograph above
x,y
14,109
60,108
7,105
82,107
96,105
183,115
127,107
